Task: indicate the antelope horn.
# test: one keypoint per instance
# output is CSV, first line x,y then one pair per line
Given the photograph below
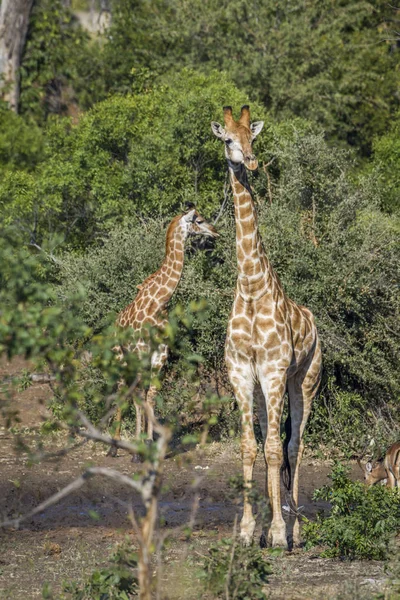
x,y
228,118
245,116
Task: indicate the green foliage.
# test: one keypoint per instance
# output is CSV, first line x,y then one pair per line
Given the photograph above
x,y
31,322
118,581
51,59
21,143
336,64
362,522
232,570
385,165
144,153
342,417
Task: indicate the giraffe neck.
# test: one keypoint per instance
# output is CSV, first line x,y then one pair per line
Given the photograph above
x,y
170,272
255,274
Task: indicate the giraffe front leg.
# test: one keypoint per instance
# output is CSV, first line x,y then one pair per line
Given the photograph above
x,y
274,390
243,385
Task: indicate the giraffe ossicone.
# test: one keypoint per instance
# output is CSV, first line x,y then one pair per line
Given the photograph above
x,y
272,345
149,308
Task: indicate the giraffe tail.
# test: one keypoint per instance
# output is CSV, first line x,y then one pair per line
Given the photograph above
x,y
285,469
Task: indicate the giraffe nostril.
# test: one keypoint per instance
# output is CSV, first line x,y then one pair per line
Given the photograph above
x,y
251,162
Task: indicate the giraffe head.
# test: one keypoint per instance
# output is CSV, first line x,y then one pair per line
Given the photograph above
x,y
191,223
238,137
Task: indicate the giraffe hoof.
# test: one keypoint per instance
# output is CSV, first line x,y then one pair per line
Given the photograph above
x,y
278,541
245,539
112,451
277,538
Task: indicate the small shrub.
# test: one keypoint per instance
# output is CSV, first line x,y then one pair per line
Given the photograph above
x,y
117,581
362,522
235,572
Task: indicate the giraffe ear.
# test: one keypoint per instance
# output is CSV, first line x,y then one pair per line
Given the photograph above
x,y
368,467
189,216
256,128
218,130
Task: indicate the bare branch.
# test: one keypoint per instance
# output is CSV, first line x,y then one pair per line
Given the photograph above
x,y
48,254
94,434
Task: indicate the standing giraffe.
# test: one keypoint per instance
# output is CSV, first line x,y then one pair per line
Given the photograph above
x,y
272,344
149,306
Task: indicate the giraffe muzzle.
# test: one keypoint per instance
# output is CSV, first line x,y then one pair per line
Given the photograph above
x,y
209,230
250,162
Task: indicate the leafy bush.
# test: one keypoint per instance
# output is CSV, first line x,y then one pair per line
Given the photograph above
x,y
118,581
362,522
140,154
234,571
52,54
336,65
385,165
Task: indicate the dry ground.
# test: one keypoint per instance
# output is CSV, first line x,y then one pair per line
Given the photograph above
x,y
66,542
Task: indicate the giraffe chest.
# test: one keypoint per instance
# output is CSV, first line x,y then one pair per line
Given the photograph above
x,y
259,331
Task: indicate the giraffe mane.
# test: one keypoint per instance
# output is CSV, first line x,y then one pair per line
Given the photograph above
x,y
170,234
171,230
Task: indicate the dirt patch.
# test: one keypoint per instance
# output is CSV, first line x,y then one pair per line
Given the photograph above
x,y
71,538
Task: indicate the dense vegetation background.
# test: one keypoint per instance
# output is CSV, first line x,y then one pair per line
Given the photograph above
x,y
113,136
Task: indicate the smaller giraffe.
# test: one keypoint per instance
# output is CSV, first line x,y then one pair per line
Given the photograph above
x,y
149,306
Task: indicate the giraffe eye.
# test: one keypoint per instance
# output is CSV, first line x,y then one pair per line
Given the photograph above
x,y
228,141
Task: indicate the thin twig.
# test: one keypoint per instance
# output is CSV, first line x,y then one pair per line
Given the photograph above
x,y
94,434
48,254
265,169
226,196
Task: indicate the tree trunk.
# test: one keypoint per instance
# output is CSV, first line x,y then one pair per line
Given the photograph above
x,y
14,20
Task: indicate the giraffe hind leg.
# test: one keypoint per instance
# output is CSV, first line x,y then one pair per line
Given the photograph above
x,y
302,389
263,421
